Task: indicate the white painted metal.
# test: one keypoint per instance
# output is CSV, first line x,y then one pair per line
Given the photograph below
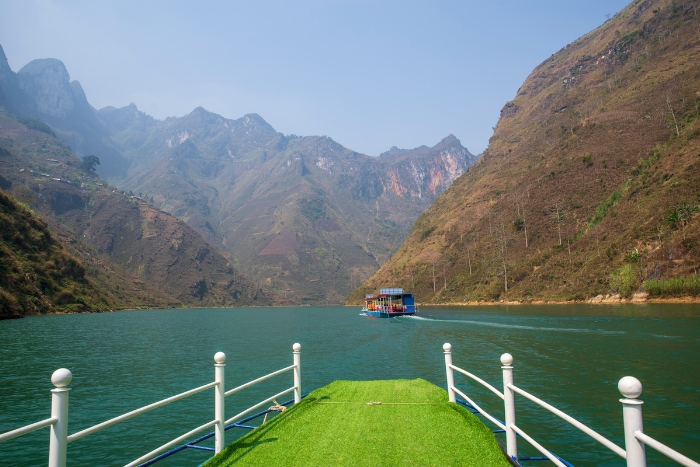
x,y
663,449
631,388
259,404
58,443
26,429
479,380
170,444
538,446
509,403
296,348
219,401
256,381
133,413
447,348
593,434
481,411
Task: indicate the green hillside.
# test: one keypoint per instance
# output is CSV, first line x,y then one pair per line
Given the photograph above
x,y
37,274
590,184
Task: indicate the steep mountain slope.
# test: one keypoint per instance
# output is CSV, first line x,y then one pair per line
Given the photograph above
x,y
306,217
37,274
124,232
42,89
591,180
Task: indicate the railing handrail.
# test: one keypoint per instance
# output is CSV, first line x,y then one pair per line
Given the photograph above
x,y
8,435
258,380
538,446
663,449
113,421
494,420
590,432
162,448
59,439
629,386
266,401
479,380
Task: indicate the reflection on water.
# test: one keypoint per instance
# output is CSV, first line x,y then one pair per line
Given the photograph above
x,y
572,356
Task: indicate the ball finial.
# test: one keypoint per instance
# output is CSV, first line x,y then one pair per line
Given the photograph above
x,y
219,357
447,347
507,359
630,387
61,377
296,347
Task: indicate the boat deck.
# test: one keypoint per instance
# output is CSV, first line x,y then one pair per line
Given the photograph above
x,y
368,423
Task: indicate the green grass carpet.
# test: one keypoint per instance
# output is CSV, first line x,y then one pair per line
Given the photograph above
x,y
414,426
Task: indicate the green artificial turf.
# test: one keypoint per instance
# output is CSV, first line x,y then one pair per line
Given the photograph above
x,y
414,426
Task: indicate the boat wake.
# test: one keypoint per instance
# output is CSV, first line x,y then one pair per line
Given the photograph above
x,y
511,326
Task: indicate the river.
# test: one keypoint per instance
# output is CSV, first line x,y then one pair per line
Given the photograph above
x,y
572,356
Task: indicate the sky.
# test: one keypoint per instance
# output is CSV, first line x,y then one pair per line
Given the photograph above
x,y
370,74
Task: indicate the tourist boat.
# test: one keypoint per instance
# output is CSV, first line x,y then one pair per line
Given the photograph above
x,y
389,302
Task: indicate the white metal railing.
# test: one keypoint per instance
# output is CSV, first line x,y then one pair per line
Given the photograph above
x,y
629,387
61,378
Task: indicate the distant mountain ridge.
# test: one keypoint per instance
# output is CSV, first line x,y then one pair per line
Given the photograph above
x,y
247,188
242,185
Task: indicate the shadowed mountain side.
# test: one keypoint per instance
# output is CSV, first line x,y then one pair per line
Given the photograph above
x,y
37,274
591,181
306,217
151,245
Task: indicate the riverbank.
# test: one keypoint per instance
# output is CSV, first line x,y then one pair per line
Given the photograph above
x,y
361,423
603,300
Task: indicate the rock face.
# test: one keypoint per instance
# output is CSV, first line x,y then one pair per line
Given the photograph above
x,y
590,182
42,90
47,82
307,217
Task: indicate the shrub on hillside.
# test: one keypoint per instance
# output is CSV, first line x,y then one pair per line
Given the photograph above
x,y
674,287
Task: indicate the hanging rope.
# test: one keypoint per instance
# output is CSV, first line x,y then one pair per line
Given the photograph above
x,y
275,408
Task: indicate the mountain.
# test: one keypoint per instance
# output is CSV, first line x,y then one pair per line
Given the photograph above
x,y
42,89
590,183
304,216
37,274
118,233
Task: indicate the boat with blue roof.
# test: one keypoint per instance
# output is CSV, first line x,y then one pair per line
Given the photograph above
x,y
390,302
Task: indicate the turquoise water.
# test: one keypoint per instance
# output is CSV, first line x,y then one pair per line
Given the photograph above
x,y
122,361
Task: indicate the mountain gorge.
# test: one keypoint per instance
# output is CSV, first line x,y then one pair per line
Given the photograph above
x,y
590,183
305,218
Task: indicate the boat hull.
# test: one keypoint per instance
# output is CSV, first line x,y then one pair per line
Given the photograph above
x,y
387,314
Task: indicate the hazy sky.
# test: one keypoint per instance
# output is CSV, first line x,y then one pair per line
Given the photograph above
x,y
369,74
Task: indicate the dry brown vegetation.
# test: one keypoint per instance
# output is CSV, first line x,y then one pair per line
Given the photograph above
x,y
577,192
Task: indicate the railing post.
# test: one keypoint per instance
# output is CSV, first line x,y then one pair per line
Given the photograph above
x,y
447,347
509,399
297,372
58,443
219,401
631,388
